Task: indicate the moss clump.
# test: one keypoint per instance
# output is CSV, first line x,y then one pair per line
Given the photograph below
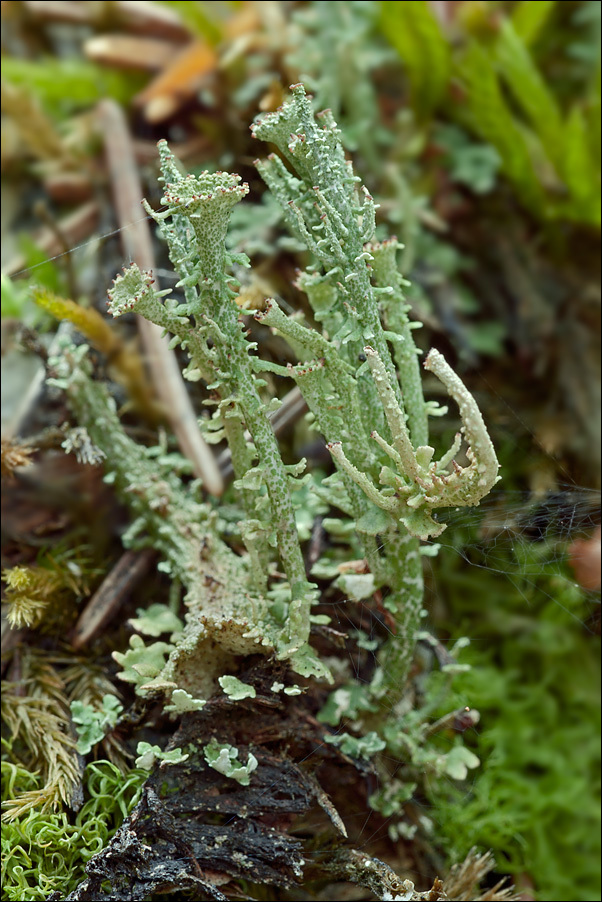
x,y
534,678
47,852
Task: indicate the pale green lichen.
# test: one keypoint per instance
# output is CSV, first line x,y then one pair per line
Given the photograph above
x,y
358,747
78,442
371,411
142,663
92,724
361,380
459,761
182,702
156,620
224,759
235,689
148,754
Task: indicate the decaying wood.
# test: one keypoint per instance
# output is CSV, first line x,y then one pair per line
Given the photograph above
x,y
195,829
178,82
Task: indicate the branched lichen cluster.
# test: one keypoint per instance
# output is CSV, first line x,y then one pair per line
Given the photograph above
x,y
360,377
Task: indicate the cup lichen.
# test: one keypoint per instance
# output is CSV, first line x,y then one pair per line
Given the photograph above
x,y
360,378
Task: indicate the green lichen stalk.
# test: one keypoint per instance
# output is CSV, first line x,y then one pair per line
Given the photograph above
x,y
367,401
224,616
195,224
360,377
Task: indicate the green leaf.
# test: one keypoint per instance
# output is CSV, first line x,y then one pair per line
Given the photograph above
x,y
414,31
484,110
67,84
45,852
529,19
581,173
45,272
530,91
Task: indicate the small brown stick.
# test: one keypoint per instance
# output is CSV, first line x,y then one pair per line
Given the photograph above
x,y
108,598
130,15
58,11
137,246
125,51
68,187
152,19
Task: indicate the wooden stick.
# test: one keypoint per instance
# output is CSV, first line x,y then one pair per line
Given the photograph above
x,y
135,16
68,187
137,246
111,594
124,51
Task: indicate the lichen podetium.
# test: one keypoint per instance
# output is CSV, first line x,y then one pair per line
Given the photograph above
x,y
360,377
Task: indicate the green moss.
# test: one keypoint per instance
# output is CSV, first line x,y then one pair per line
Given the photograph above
x,y
534,678
64,86
43,853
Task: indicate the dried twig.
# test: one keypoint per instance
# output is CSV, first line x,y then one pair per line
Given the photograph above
x,y
462,883
137,246
108,598
130,51
131,15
